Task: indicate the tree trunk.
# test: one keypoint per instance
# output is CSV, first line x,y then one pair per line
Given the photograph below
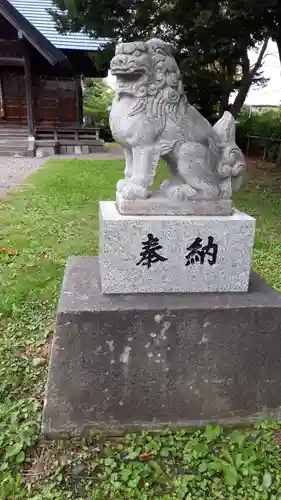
x,y
278,160
227,76
224,102
247,78
278,42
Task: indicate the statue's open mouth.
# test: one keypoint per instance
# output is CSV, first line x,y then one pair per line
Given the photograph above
x,y
126,74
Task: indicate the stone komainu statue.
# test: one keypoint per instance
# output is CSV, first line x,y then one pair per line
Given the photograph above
x,y
152,119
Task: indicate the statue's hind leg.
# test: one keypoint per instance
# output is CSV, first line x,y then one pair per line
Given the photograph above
x,y
194,167
171,185
177,188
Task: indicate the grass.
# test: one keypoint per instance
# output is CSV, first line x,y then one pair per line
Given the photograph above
x,y
51,217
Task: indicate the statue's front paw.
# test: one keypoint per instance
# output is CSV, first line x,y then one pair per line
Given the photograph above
x,y
133,191
121,184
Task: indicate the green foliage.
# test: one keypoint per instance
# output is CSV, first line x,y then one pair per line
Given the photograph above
x,y
54,216
211,40
18,431
263,16
264,124
98,97
179,464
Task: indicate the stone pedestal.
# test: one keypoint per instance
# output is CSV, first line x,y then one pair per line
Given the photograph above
x,y
146,361
169,253
158,204
140,341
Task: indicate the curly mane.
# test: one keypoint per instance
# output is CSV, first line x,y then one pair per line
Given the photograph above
x,y
163,94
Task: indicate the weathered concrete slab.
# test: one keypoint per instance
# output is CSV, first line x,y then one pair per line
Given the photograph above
x,y
146,361
152,254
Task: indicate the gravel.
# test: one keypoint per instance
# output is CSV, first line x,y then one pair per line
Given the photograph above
x,y
13,171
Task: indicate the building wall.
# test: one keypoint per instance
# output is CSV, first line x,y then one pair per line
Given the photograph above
x,y
13,97
54,99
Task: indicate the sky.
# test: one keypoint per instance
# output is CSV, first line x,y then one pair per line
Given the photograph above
x,y
271,94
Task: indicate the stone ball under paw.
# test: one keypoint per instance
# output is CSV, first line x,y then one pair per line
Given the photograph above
x,y
175,193
168,184
134,192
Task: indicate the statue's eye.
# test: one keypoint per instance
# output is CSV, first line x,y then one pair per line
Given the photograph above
x,y
137,53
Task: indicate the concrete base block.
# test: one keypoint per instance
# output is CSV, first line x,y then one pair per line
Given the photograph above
x,y
153,254
43,152
147,361
98,147
40,153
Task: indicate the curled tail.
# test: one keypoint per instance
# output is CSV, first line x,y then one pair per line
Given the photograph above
x,y
232,162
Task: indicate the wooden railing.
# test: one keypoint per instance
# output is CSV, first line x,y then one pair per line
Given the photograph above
x,y
268,146
67,136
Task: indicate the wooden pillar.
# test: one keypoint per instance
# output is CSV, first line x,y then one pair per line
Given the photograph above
x,y
28,91
79,100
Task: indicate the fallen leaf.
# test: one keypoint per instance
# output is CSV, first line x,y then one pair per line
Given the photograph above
x,y
46,255
40,351
37,469
38,362
28,269
146,454
9,251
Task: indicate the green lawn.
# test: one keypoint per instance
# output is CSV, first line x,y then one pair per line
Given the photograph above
x,y
56,215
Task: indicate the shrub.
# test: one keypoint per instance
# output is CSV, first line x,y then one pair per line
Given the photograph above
x,y
265,125
98,97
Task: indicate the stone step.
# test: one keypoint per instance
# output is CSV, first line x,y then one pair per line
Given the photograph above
x,y
13,134
13,140
18,154
14,147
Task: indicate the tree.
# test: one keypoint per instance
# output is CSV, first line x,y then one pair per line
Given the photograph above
x,y
263,16
250,76
98,97
210,40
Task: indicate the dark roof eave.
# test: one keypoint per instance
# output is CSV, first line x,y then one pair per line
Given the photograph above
x,y
39,41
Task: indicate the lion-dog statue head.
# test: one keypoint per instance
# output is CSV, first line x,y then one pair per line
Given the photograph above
x,y
148,71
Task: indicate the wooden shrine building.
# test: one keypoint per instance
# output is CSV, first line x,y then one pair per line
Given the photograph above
x,y
41,72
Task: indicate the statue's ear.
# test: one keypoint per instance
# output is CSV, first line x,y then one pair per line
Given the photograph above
x,y
119,48
156,44
168,48
146,46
